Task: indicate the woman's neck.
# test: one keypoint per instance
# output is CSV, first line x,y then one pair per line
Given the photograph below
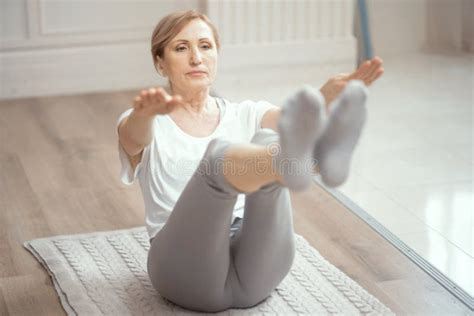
x,y
196,103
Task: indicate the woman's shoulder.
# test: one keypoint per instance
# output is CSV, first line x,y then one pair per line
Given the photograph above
x,y
248,105
238,103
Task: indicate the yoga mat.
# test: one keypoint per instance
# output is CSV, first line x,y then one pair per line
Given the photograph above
x,y
104,273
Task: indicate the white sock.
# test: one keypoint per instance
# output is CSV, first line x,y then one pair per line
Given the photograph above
x,y
299,127
334,149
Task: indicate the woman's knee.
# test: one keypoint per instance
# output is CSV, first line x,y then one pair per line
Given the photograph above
x,y
212,161
211,168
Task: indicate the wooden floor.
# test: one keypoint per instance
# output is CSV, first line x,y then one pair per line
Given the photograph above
x,y
59,175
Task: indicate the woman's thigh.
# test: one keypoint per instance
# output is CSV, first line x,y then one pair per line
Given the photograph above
x,y
189,258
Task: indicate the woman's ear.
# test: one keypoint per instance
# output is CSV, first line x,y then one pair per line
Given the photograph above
x,y
159,66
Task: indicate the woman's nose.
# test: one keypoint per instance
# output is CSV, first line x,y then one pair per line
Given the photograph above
x,y
196,57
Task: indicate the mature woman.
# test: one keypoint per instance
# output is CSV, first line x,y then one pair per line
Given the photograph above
x,y
215,175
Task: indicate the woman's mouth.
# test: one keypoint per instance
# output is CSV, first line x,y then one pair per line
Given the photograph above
x,y
196,73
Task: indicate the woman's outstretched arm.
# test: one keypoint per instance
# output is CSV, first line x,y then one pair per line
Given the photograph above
x,y
135,131
368,72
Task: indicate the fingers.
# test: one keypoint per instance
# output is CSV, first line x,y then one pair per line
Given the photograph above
x,y
374,67
176,99
158,95
173,102
166,97
156,100
377,75
152,95
360,73
137,102
369,71
145,97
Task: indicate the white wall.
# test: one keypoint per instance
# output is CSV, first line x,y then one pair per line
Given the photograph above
x,y
444,24
397,26
403,26
51,47
451,24
275,42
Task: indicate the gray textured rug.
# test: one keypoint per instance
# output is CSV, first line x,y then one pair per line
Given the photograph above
x,y
104,273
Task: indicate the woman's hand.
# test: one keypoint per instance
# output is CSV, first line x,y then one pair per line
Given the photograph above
x,y
155,101
368,72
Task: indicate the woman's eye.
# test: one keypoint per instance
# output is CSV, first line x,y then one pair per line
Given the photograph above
x,y
181,48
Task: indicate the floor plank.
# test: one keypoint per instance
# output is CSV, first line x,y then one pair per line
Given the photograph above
x,y
31,294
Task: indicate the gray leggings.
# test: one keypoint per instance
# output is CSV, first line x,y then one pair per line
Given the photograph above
x,y
196,261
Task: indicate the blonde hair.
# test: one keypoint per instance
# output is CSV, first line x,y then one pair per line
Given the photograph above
x,y
170,25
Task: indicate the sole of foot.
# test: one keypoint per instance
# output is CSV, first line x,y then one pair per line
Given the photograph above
x,y
300,126
345,123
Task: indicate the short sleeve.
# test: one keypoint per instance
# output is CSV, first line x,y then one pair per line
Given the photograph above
x,y
253,112
127,173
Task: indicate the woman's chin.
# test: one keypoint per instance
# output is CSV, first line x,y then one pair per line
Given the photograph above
x,y
198,84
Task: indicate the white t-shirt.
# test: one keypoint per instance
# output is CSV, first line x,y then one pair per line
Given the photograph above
x,y
172,156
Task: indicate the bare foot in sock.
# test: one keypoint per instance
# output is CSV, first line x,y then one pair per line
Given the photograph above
x,y
334,149
299,127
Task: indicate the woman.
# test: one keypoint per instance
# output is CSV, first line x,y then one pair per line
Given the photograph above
x,y
203,162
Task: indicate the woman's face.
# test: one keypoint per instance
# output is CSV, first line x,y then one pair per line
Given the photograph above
x,y
193,49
